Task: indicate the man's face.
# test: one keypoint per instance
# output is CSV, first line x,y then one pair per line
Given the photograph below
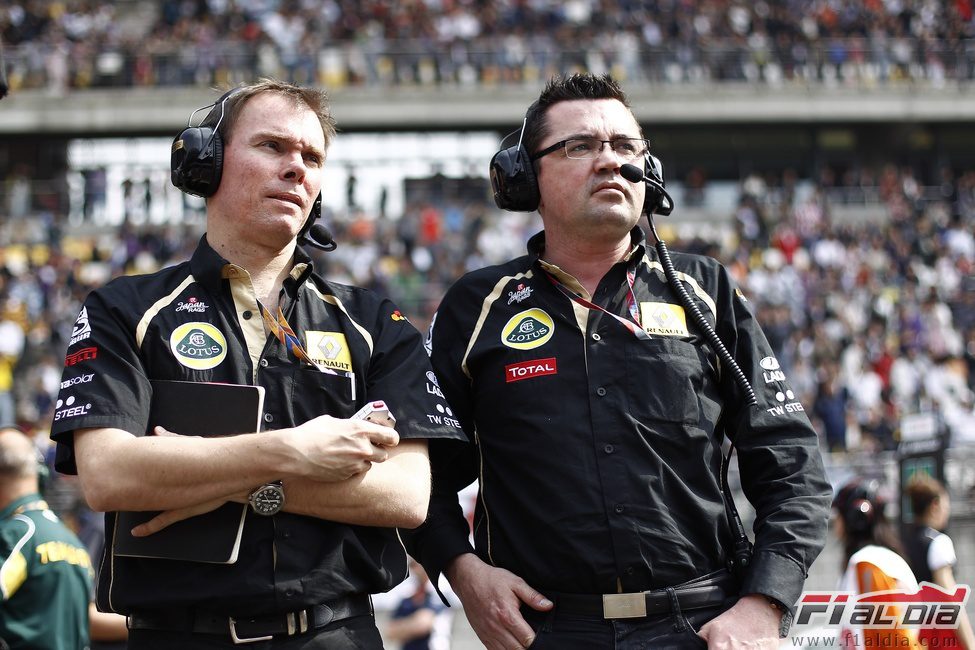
x,y
272,171
589,198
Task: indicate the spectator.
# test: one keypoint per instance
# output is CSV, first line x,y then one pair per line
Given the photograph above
x,y
45,571
931,554
420,621
873,560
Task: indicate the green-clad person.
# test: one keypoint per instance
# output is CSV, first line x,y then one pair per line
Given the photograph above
x,y
45,571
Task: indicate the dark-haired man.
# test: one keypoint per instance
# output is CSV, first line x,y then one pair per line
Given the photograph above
x,y
597,409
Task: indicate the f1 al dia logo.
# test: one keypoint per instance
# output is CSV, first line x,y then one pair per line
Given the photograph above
x,y
930,607
199,346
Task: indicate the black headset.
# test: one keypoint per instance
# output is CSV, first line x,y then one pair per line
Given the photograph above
x,y
196,166
516,185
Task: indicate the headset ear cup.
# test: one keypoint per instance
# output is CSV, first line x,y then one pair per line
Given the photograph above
x,y
653,197
196,163
513,180
216,165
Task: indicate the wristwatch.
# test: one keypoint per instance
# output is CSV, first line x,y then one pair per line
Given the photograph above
x,y
268,499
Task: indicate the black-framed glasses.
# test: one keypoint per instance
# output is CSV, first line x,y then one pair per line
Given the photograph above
x,y
587,148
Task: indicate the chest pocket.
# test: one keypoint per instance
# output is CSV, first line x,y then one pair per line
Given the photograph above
x,y
315,393
667,375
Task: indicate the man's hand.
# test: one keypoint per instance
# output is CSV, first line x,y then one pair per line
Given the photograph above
x,y
330,449
751,624
492,598
170,517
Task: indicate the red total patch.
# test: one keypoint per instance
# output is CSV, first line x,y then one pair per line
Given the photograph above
x,y
529,369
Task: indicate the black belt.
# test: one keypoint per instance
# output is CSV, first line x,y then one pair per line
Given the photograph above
x,y
249,629
709,591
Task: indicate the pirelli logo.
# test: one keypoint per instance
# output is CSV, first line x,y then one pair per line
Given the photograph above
x,y
84,354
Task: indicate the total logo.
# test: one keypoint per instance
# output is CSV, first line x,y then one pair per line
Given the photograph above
x,y
81,329
74,381
529,369
69,410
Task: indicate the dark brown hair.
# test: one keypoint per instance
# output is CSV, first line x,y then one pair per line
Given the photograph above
x,y
561,89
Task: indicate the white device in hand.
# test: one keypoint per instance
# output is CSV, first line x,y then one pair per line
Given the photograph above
x,y
376,412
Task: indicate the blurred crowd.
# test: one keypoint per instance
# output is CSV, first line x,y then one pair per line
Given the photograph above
x,y
871,320
75,44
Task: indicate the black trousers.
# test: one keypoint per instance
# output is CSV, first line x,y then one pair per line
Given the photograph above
x,y
356,633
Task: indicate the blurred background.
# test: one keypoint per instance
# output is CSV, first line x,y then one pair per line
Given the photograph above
x,y
823,150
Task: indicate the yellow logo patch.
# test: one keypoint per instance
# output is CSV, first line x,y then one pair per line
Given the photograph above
x,y
663,319
199,345
329,349
529,329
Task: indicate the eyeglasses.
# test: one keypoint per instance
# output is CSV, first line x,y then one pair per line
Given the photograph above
x,y
587,148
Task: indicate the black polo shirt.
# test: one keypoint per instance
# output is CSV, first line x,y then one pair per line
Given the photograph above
x,y
598,451
200,321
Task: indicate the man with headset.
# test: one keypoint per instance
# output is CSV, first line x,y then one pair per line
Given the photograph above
x,y
596,402
326,491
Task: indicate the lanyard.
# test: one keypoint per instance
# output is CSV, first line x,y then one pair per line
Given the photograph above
x,y
632,323
282,330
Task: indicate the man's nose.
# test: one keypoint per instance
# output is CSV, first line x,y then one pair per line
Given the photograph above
x,y
607,157
295,168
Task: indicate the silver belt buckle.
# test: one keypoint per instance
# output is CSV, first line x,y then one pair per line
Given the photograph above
x,y
239,641
624,605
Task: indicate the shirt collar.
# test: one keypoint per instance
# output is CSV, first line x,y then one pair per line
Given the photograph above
x,y
32,501
209,268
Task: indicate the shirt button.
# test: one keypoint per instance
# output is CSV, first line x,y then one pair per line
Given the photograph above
x,y
619,509
608,449
630,571
268,417
290,593
263,363
247,314
601,391
596,336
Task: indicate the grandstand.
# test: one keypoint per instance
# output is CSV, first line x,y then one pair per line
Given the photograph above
x,y
825,151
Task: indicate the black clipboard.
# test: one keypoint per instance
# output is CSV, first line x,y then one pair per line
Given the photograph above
x,y
195,409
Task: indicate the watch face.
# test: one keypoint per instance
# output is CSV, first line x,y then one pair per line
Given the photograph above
x,y
268,500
